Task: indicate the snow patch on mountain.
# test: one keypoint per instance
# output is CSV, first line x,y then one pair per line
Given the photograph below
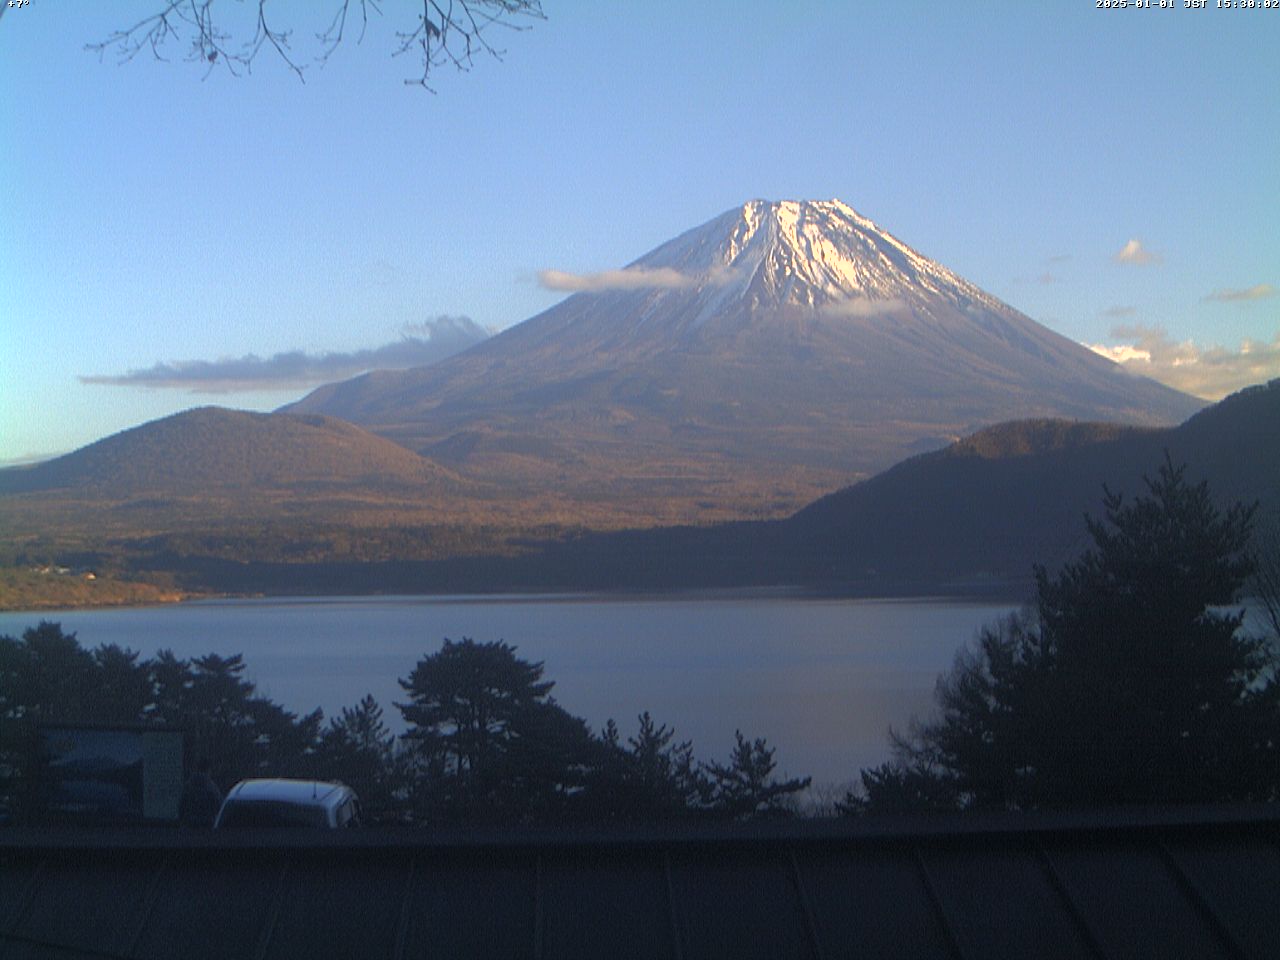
x,y
822,255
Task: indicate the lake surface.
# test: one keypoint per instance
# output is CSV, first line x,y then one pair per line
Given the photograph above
x,y
821,679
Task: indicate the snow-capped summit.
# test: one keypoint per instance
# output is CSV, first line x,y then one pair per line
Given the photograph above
x,y
774,352
804,270
806,253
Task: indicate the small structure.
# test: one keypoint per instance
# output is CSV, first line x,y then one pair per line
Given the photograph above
x,y
122,772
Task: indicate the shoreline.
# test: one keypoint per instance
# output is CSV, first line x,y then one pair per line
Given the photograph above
x,y
1010,591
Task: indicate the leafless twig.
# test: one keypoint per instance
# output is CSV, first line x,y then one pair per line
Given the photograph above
x,y
332,37
455,32
448,32
177,20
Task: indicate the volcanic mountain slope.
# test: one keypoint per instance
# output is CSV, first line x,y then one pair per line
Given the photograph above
x,y
774,353
216,452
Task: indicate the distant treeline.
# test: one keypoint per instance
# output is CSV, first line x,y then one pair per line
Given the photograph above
x,y
307,560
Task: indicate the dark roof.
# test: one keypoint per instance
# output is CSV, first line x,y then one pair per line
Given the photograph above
x,y
1202,882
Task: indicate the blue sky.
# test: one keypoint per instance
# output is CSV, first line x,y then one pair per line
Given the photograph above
x,y
150,216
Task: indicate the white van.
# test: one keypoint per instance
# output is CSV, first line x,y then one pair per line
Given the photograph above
x,y
289,803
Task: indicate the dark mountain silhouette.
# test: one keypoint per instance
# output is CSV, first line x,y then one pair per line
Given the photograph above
x,y
1016,494
770,355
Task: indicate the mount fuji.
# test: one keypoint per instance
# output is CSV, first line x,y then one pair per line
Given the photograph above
x,y
775,353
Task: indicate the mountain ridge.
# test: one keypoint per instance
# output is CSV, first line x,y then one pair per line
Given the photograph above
x,y
996,502
217,449
787,346
970,519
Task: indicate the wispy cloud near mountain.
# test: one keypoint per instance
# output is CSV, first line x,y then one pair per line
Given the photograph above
x,y
864,307
420,344
1260,291
1136,254
632,278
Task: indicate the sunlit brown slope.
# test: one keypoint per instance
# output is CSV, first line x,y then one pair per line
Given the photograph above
x,y
212,450
213,468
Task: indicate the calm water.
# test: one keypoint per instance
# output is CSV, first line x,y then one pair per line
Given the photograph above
x,y
821,679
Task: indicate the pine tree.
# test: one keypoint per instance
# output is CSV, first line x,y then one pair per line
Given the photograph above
x,y
486,736
745,787
358,749
1129,683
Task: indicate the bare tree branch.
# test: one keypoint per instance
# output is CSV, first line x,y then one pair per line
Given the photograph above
x,y
178,20
278,39
332,37
1265,585
447,33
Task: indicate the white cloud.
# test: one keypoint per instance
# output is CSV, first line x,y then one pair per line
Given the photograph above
x,y
863,307
1119,311
1122,354
632,278
1210,372
420,344
1135,253
1260,291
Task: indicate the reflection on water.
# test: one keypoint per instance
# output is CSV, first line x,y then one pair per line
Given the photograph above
x,y
822,679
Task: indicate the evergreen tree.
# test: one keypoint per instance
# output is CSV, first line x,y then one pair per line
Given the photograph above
x,y
652,777
1130,682
123,689
487,738
904,785
546,770
45,676
1264,588
358,749
745,787
240,734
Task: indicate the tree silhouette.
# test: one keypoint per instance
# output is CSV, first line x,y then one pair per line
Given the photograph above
x,y
652,777
123,689
486,741
544,773
1265,585
486,737
45,676
746,787
442,34
241,735
908,784
358,749
1129,683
